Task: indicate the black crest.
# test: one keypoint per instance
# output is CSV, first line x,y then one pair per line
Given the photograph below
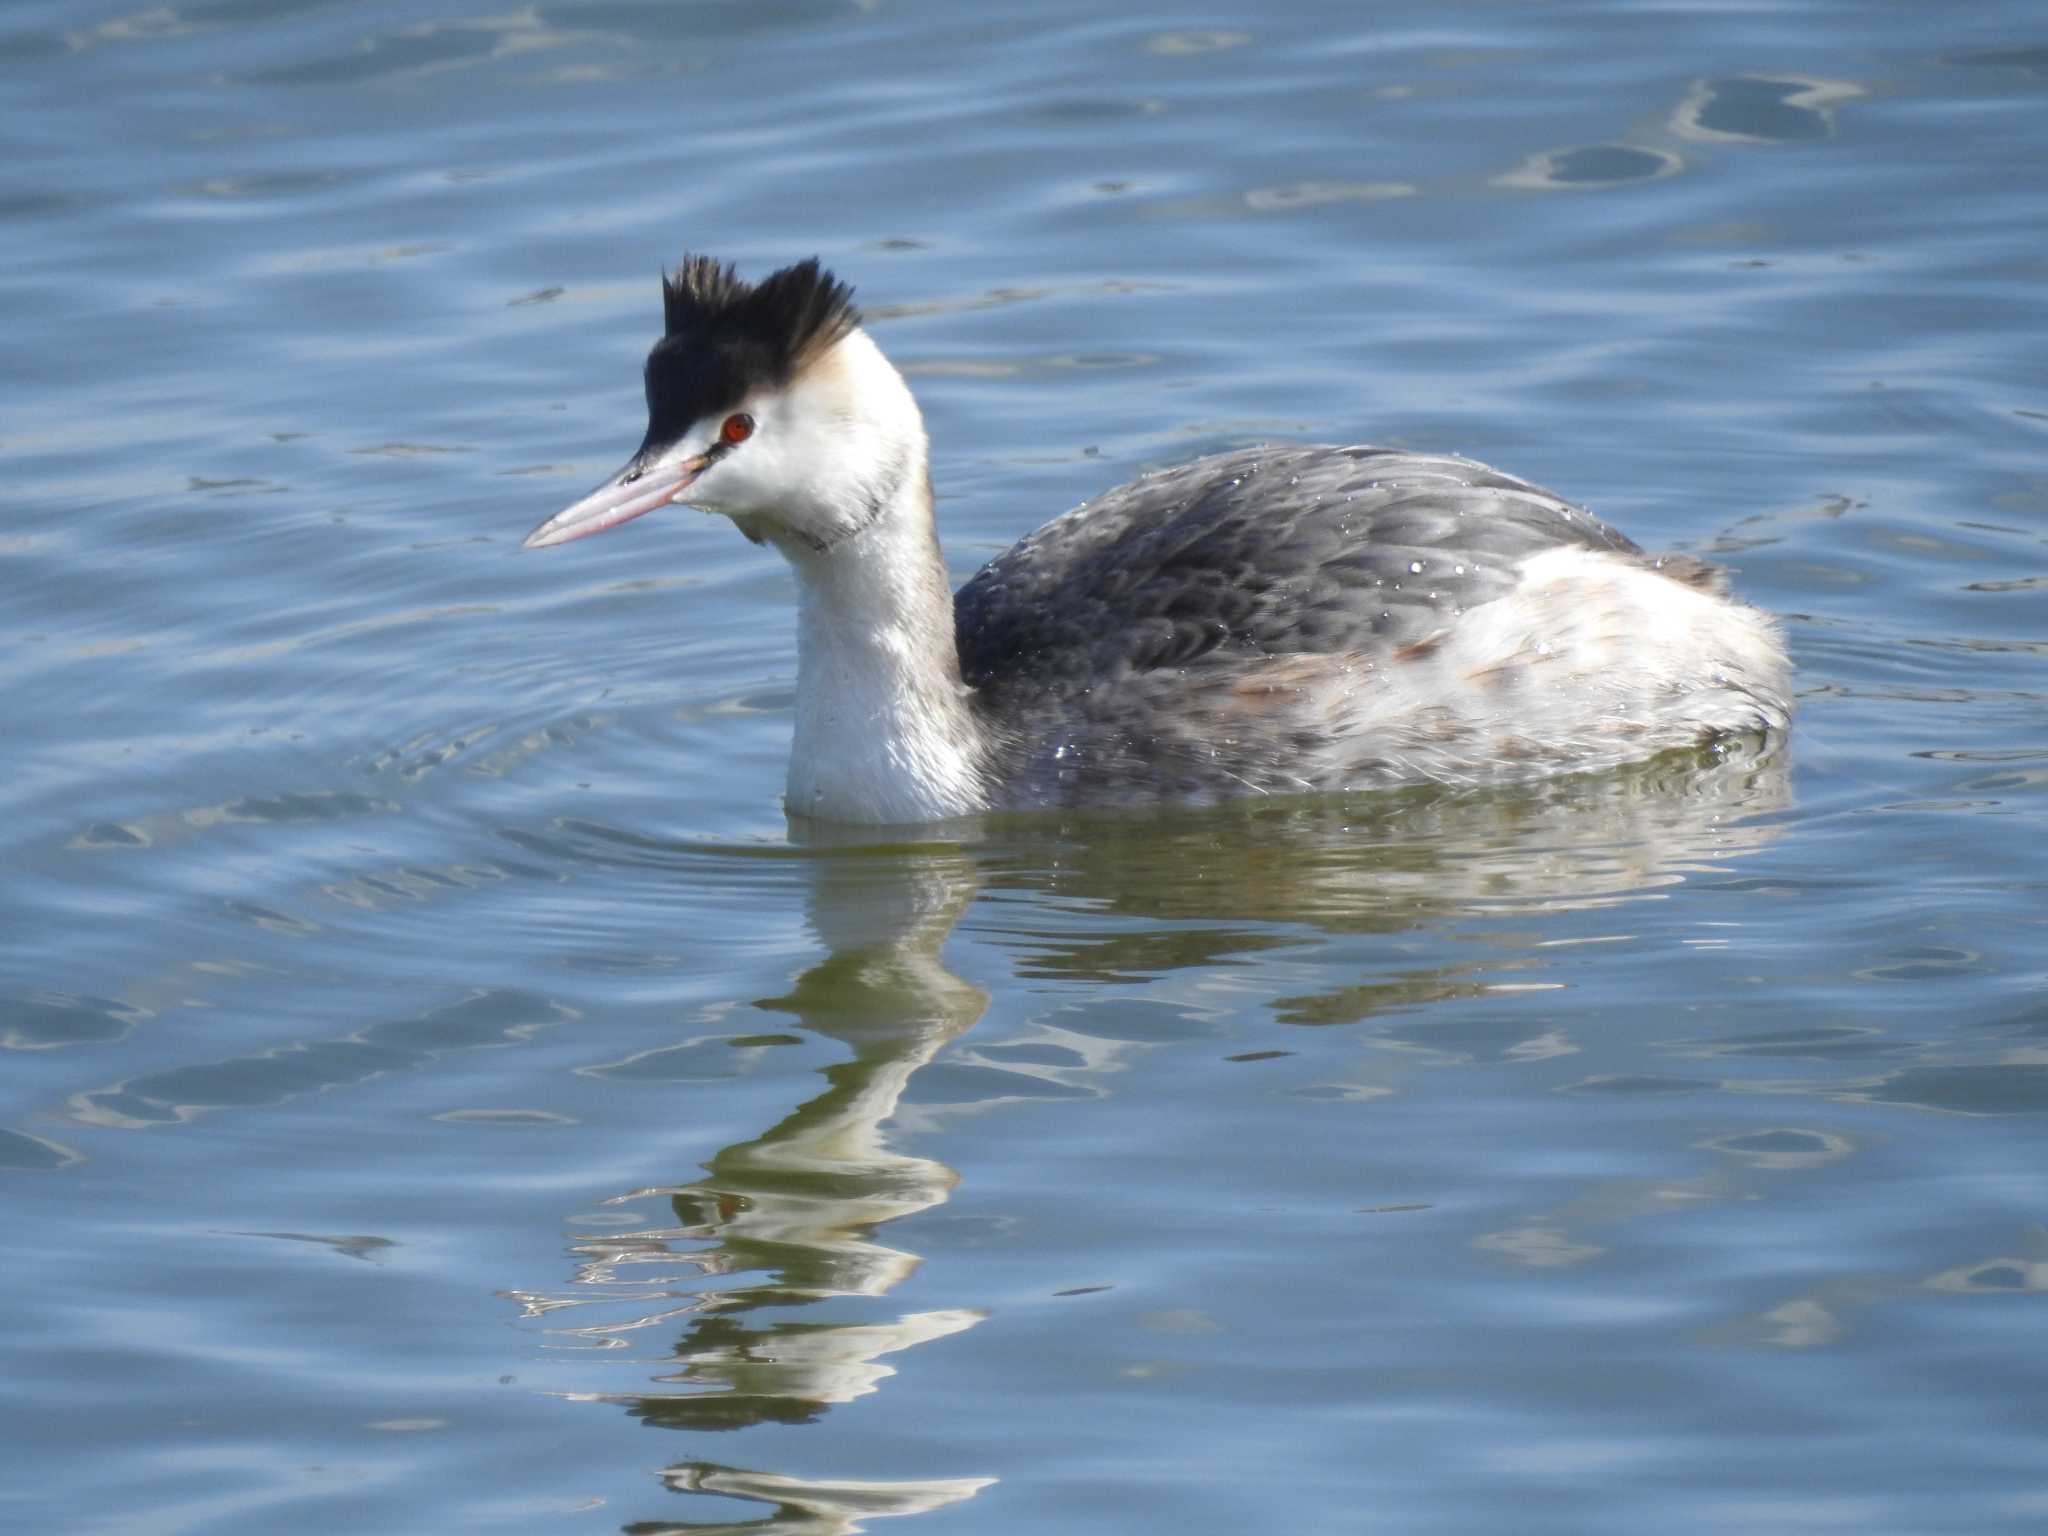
x,y
700,288
791,315
726,336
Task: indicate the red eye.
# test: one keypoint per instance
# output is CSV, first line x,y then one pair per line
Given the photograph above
x,y
739,426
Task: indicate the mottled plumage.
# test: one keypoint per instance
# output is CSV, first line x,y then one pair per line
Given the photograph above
x,y
1255,553
1292,618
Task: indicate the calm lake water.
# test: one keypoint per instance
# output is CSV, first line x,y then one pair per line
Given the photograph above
x,y
443,1093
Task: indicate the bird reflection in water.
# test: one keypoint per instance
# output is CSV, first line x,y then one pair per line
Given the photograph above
x,y
805,1506
788,1220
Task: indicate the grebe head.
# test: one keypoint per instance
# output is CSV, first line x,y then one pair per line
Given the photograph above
x,y
767,403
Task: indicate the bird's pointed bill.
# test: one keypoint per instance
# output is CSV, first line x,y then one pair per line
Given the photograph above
x,y
630,493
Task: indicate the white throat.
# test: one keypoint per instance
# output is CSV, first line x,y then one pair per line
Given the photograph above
x,y
884,731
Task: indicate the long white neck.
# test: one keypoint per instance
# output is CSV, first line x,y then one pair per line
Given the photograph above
x,y
884,731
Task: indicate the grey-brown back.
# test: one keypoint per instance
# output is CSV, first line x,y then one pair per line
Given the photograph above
x,y
1261,552
1284,619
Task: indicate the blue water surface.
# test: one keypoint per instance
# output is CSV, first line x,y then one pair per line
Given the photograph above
x,y
442,1091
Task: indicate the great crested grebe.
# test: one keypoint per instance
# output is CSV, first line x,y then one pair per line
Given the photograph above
x,y
1269,620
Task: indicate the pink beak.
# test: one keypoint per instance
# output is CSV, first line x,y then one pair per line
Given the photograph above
x,y
630,493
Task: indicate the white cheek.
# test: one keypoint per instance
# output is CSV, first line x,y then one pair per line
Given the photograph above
x,y
736,484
